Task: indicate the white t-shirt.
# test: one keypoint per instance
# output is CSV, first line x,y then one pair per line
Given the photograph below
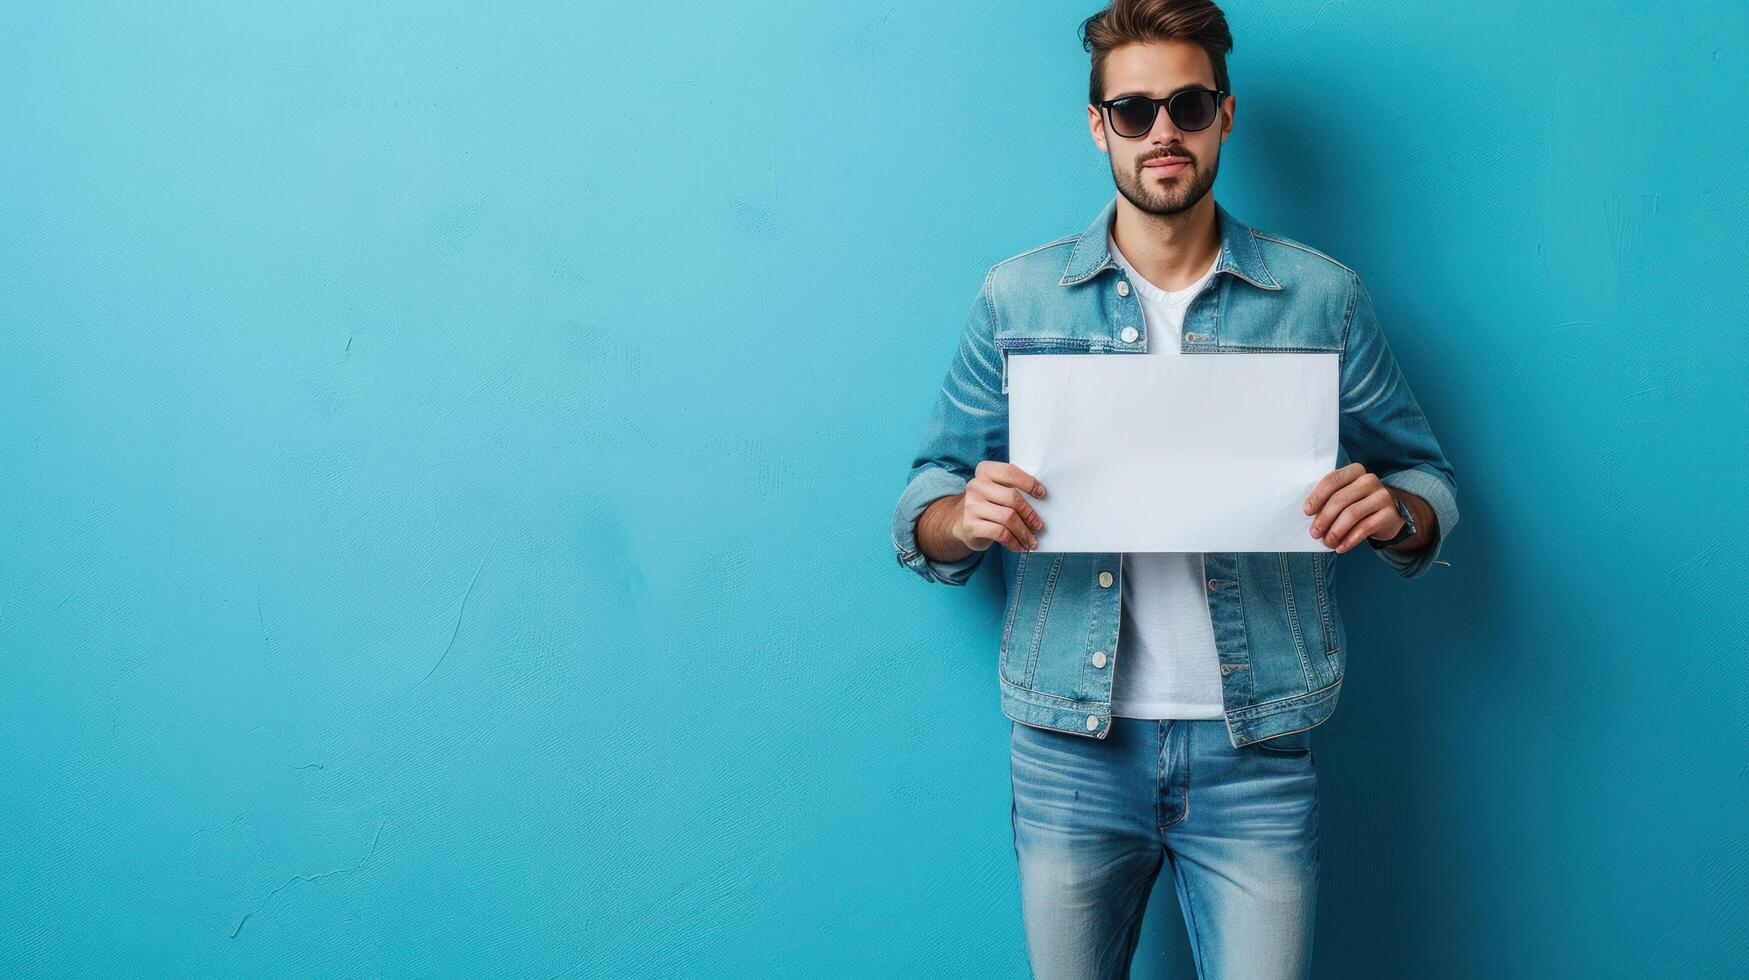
x,y
1166,663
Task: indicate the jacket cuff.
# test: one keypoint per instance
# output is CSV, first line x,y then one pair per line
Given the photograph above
x,y
1424,483
929,484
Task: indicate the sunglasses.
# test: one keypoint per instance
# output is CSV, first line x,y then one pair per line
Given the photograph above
x,y
1191,110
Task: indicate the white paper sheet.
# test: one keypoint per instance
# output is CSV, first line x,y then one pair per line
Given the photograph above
x,y
1198,452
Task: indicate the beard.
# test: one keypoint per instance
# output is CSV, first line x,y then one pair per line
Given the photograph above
x,y
1169,197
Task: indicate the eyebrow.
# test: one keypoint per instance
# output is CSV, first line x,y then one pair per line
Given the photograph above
x,y
1187,86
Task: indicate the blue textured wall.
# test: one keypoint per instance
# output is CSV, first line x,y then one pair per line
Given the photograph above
x,y
448,454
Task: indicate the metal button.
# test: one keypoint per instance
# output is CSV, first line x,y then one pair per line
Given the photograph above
x,y
1129,335
1190,337
1213,585
1092,723
1105,580
1099,658
1123,288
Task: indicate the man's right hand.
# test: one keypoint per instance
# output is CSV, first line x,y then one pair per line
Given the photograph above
x,y
994,509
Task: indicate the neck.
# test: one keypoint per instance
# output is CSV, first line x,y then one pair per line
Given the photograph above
x,y
1170,251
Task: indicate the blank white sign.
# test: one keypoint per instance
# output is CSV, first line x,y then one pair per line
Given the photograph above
x,y
1199,452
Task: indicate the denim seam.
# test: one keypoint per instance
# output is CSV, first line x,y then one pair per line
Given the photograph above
x,y
1293,615
1021,255
1301,246
1295,731
1047,345
1250,712
1250,679
1324,602
1184,740
1245,715
1163,777
987,296
1348,316
1014,607
1246,712
1160,780
1044,612
1259,741
1077,703
1266,347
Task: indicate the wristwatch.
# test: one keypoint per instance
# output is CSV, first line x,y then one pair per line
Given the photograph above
x,y
1405,534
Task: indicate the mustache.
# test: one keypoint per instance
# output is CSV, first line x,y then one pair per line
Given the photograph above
x,y
1171,151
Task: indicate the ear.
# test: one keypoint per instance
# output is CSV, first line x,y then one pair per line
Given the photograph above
x,y
1096,126
1227,116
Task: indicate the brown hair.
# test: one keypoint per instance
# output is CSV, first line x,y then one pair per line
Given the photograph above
x,y
1132,21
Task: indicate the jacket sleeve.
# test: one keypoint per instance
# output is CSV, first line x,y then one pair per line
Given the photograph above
x,y
968,425
1383,429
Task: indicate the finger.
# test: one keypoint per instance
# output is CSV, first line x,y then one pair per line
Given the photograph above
x,y
1018,502
1005,496
1354,506
1018,528
1009,475
1356,512
1002,516
1331,482
996,534
1015,536
1367,528
1332,538
976,517
1341,500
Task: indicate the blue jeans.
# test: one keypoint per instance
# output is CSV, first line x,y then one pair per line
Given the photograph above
x,y
1094,820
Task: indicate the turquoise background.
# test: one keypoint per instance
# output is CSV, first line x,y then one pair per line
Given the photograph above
x,y
448,453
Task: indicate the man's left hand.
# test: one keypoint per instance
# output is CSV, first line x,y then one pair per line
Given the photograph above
x,y
1351,504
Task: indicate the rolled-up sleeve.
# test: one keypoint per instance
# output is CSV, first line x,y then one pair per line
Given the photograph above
x,y
1384,429
968,424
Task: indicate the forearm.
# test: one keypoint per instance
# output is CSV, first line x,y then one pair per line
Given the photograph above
x,y
935,536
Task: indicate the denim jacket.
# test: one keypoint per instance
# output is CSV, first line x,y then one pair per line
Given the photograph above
x,y
1280,637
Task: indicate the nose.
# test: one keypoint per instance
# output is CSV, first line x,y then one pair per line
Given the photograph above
x,y
1165,131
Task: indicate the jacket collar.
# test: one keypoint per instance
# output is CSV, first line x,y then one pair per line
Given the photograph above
x,y
1239,252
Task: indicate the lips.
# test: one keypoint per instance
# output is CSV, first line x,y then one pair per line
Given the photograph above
x,y
1167,166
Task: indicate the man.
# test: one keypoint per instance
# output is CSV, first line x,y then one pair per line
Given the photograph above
x,y
1161,704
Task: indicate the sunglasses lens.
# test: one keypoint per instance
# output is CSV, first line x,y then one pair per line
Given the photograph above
x,y
1132,117
1192,111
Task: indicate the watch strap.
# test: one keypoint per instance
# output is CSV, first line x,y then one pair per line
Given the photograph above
x,y
1403,534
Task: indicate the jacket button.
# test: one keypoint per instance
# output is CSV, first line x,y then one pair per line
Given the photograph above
x,y
1123,288
1213,585
1190,337
1105,580
1092,723
1099,658
1129,335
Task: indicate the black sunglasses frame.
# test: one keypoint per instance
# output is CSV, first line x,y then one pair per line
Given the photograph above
x,y
1167,102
